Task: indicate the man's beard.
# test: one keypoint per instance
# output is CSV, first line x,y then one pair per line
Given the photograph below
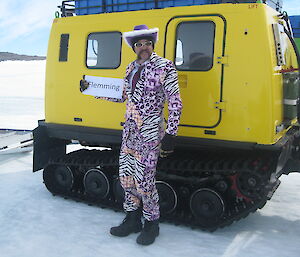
x,y
140,53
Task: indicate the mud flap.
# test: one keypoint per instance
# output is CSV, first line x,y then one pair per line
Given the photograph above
x,y
45,147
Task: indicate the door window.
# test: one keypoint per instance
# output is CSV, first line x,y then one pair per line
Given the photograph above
x,y
195,45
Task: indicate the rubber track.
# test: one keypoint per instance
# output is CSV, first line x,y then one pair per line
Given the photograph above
x,y
183,167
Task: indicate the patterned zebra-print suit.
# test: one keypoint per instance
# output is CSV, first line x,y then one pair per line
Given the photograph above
x,y
144,129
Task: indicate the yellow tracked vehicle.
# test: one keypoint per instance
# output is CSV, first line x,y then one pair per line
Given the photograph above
x,y
238,69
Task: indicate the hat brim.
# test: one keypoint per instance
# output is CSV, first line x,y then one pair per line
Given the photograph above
x,y
131,35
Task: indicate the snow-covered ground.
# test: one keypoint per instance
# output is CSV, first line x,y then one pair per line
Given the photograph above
x,y
33,223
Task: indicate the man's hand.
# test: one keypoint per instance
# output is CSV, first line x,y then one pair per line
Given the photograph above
x,y
83,85
167,145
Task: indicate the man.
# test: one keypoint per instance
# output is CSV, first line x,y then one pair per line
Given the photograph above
x,y
150,81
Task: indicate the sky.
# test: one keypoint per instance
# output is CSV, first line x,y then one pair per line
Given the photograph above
x,y
25,25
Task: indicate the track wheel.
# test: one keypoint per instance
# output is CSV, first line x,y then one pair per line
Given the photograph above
x,y
250,184
118,191
207,206
96,183
59,179
167,197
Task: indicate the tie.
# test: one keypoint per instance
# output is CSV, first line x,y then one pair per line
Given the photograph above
x,y
135,78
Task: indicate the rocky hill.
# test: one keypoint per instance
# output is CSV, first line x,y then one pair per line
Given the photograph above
x,y
6,56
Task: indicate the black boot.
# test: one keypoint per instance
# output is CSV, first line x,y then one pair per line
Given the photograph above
x,y
131,224
149,233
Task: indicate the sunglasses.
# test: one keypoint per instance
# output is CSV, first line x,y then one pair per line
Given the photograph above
x,y
147,43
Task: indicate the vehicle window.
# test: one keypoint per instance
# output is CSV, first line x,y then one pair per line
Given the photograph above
x,y
195,45
64,47
104,50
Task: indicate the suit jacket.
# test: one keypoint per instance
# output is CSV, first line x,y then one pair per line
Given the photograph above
x,y
144,120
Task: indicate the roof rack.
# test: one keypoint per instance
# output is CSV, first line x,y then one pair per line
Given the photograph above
x,y
66,8
85,7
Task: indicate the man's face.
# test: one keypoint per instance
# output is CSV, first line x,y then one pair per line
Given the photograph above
x,y
143,49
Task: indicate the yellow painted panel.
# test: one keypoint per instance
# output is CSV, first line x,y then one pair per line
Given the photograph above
x,y
251,94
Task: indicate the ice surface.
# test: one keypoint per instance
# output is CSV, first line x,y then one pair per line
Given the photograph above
x,y
33,223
